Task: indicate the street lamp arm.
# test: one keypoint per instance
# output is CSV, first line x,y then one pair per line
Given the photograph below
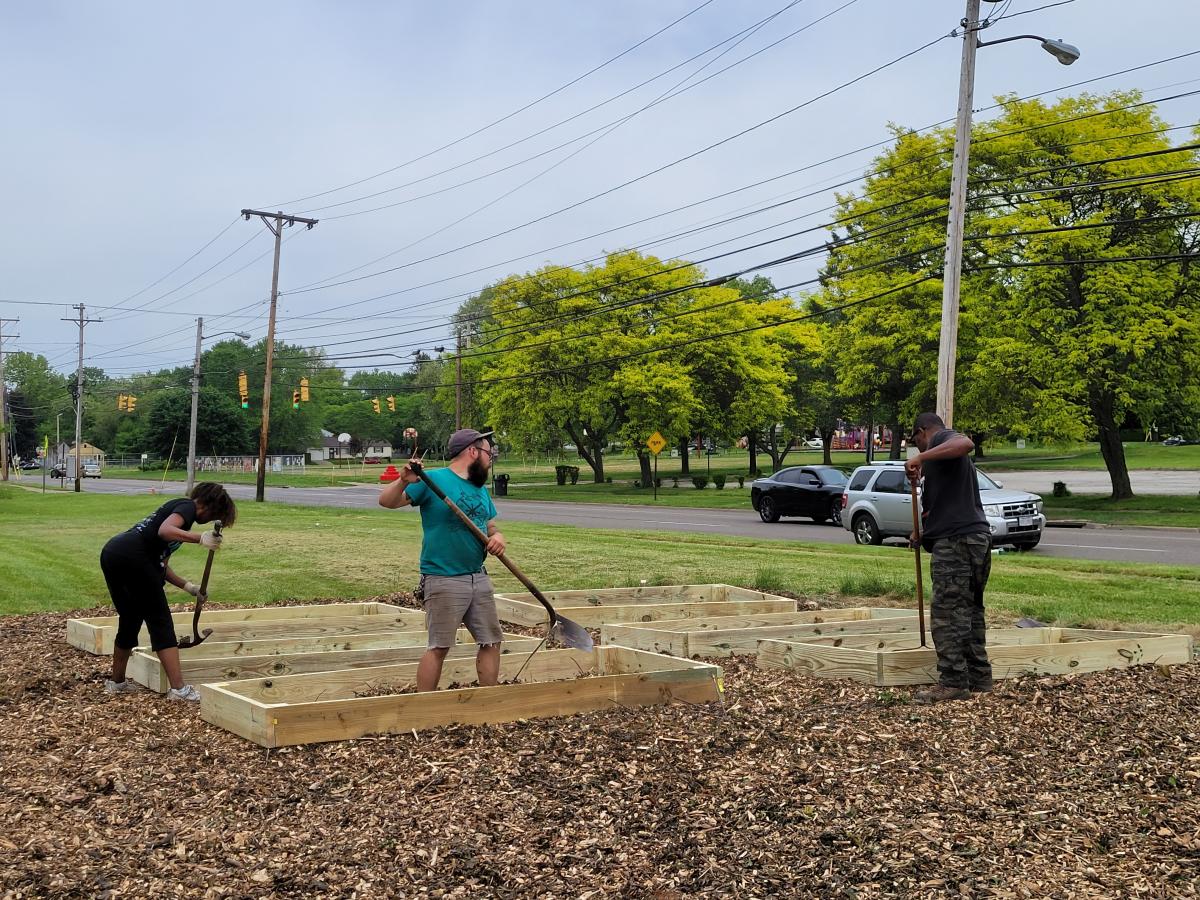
x,y
1065,53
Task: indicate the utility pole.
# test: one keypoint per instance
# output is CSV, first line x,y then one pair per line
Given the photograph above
x,y
80,321
458,383
275,222
4,445
952,272
191,463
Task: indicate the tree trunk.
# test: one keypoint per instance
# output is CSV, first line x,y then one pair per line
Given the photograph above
x,y
869,440
1111,449
685,462
894,453
647,472
591,456
827,441
753,447
978,438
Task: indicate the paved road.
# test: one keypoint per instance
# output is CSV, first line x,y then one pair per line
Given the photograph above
x,y
1180,482
1175,546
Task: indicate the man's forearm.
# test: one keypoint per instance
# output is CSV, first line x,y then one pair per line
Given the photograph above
x,y
393,496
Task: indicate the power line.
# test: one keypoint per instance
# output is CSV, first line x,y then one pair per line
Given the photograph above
x,y
504,118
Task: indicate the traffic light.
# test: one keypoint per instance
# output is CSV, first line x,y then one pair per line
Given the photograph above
x,y
375,405
243,390
121,402
304,389
130,403
295,399
391,404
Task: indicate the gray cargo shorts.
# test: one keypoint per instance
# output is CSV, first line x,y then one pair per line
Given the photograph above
x,y
454,600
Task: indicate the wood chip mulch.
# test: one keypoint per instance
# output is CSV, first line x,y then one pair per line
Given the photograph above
x,y
1071,787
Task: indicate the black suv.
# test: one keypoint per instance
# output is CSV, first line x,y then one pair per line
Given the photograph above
x,y
812,491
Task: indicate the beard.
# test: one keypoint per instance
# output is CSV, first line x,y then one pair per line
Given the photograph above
x,y
477,473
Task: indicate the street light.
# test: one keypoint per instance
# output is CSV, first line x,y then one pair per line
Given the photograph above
x,y
191,464
952,272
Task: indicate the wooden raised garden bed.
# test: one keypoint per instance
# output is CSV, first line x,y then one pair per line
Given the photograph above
x,y
333,706
896,659
735,635
602,606
95,635
229,661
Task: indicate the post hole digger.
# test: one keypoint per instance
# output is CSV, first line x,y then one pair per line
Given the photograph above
x,y
916,542
564,631
198,637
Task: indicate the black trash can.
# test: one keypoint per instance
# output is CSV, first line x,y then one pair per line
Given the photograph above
x,y
501,485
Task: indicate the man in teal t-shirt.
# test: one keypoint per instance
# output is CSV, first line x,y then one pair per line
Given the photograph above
x,y
457,591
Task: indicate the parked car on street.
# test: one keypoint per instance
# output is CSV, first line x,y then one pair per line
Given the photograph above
x,y
91,470
30,464
877,504
812,491
1174,441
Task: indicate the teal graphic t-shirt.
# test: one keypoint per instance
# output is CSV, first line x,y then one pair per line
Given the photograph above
x,y
447,547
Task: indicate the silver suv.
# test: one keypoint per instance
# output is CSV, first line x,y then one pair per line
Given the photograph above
x,y
877,504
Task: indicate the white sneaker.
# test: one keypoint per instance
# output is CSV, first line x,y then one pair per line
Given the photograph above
x,y
187,692
120,687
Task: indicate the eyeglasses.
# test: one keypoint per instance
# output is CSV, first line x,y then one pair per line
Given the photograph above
x,y
490,451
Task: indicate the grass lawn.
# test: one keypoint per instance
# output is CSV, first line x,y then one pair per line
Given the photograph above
x,y
1138,455
52,544
1181,512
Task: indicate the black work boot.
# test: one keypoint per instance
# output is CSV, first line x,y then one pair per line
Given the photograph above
x,y
940,693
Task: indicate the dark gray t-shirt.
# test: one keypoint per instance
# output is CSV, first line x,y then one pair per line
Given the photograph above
x,y
951,497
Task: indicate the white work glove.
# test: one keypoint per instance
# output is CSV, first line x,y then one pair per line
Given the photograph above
x,y
210,540
192,588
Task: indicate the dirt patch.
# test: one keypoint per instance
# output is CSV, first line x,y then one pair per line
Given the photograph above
x,y
1080,786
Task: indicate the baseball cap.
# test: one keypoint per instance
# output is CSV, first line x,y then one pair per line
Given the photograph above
x,y
462,439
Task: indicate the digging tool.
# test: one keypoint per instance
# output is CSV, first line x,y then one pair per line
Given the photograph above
x,y
916,508
197,637
568,633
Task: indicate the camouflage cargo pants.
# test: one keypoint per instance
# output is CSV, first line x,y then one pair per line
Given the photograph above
x,y
960,569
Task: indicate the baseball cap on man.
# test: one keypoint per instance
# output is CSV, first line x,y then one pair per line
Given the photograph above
x,y
462,439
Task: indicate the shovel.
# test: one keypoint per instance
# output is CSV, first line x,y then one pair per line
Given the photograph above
x,y
916,507
197,637
568,633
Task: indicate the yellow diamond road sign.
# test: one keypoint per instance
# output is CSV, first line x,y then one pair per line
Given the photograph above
x,y
656,443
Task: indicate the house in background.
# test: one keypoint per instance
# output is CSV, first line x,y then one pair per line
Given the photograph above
x,y
330,449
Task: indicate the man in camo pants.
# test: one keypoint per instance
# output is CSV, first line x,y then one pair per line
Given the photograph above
x,y
956,533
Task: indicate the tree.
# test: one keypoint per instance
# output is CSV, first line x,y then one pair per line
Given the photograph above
x,y
221,429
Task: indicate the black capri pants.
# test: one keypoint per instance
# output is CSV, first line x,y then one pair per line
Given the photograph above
x,y
136,587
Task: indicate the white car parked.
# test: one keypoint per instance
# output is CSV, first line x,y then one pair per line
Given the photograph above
x,y
877,504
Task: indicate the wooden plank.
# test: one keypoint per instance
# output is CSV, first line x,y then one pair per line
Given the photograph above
x,y
1009,659
671,593
145,668
339,719
515,611
740,641
95,634
908,641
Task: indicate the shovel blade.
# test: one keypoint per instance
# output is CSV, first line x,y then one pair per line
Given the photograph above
x,y
571,634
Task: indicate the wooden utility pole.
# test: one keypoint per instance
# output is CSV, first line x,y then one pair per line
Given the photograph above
x,y
80,321
4,445
458,383
191,463
275,222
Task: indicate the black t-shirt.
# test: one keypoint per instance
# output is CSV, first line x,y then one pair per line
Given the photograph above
x,y
951,497
143,541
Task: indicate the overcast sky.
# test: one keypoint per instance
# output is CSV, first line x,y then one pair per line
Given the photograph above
x,y
136,131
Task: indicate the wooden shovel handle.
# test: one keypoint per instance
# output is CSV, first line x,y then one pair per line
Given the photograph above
x,y
916,510
482,538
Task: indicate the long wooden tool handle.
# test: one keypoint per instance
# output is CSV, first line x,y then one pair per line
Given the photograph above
x,y
208,564
203,589
916,511
482,538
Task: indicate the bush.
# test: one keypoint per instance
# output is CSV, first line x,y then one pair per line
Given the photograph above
x,y
700,481
658,482
674,482
719,481
608,480
741,480
1060,489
